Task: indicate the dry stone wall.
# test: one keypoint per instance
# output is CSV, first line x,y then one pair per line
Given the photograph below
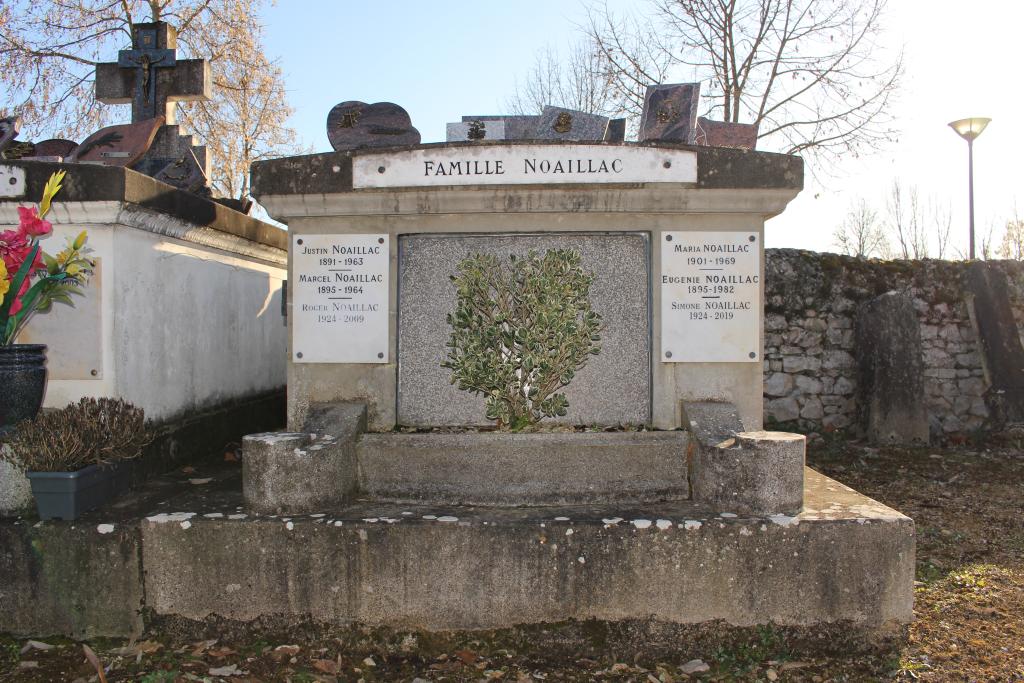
x,y
811,305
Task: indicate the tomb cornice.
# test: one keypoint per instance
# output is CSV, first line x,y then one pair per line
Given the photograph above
x,y
716,168
103,194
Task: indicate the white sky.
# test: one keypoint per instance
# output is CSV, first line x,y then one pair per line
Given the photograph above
x,y
446,58
962,59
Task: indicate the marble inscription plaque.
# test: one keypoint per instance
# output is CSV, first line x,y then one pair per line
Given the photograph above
x,y
339,289
710,297
523,165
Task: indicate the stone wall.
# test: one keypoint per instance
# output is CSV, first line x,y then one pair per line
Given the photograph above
x,y
811,304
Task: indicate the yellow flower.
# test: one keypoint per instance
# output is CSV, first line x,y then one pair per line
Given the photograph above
x,y
5,284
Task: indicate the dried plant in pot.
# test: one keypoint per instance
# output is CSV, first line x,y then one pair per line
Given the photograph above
x,y
75,458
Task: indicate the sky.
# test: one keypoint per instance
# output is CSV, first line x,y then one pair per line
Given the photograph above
x,y
443,59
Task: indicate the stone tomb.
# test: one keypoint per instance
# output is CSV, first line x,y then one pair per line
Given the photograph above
x,y
655,494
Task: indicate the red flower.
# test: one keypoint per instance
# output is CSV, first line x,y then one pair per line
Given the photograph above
x,y
32,224
15,248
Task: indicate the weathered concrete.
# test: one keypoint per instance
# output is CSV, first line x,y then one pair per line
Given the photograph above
x,y
712,422
295,472
890,378
80,580
845,560
613,388
760,473
845,557
524,469
15,490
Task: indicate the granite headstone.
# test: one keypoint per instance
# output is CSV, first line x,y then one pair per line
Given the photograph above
x,y
357,125
670,113
475,131
614,387
557,123
616,131
516,126
724,134
118,145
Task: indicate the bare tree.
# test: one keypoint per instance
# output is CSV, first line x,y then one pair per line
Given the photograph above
x,y
861,233
905,221
812,74
579,81
49,50
1012,246
942,224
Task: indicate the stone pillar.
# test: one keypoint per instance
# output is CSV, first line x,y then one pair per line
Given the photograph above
x,y
890,369
304,472
746,473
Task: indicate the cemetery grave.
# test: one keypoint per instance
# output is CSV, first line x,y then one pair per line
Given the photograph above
x,y
524,386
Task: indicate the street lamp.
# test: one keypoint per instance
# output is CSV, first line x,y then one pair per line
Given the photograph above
x,y
969,129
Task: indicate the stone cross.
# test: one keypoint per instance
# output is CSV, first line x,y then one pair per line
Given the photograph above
x,y
150,76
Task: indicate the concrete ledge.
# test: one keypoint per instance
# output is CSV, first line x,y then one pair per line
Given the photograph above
x,y
86,184
847,559
524,469
78,580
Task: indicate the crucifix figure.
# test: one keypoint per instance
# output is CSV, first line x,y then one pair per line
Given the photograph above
x,y
150,76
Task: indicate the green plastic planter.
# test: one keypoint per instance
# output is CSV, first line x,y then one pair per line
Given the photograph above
x,y
68,495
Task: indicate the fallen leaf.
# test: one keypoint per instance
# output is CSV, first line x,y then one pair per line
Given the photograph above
x,y
28,665
369,662
694,666
466,656
231,670
772,675
188,470
222,652
328,666
36,645
786,666
200,482
202,646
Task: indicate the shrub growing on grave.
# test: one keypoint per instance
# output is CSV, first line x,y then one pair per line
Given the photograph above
x,y
521,330
90,432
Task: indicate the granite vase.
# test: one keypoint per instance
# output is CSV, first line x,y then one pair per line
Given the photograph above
x,y
23,382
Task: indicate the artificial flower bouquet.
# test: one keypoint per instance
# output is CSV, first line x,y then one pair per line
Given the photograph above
x,y
31,280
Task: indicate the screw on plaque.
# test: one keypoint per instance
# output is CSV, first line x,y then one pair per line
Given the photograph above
x,y
298,241
299,354
667,164
753,238
94,373
380,240
380,169
668,354
668,238
753,355
13,181
380,355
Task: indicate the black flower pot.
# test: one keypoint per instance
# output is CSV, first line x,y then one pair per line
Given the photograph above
x,y
67,495
22,382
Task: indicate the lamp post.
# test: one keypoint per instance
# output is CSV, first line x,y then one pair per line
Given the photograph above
x,y
969,129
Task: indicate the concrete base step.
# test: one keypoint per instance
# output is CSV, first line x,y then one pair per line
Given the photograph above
x,y
192,552
484,468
